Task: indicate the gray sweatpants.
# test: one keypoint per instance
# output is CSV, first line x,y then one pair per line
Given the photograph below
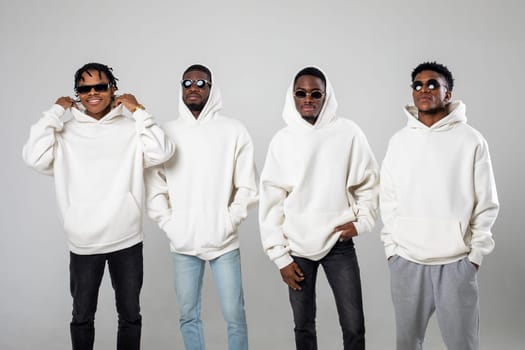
x,y
451,290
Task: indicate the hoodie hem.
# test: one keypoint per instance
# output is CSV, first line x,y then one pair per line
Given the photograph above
x,y
108,247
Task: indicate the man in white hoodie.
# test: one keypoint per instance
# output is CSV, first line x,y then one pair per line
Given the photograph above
x,y
97,159
199,198
318,189
438,205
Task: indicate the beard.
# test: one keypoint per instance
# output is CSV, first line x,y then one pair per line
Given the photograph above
x,y
310,120
196,107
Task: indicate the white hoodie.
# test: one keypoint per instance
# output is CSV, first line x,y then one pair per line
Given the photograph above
x,y
98,170
315,178
438,195
202,194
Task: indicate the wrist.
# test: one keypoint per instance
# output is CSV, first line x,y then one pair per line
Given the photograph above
x,y
137,107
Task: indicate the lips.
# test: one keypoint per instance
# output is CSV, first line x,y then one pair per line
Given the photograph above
x,y
425,99
193,97
94,101
308,108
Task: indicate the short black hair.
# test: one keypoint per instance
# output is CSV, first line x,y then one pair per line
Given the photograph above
x,y
435,67
100,68
310,71
200,68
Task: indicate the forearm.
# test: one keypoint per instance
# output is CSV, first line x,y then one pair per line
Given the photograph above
x,y
157,196
366,196
38,151
157,147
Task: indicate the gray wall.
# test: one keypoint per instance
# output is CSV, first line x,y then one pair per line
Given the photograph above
x,y
367,50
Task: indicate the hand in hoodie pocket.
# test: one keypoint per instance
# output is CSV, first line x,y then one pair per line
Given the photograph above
x,y
426,239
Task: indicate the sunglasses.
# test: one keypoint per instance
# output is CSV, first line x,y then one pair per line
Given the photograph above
x,y
84,89
316,94
432,84
200,83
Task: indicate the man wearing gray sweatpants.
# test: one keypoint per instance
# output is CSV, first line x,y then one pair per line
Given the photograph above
x,y
438,204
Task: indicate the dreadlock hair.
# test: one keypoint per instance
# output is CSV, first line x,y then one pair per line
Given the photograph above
x,y
200,68
435,67
310,71
100,68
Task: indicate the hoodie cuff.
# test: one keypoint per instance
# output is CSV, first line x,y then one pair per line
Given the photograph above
x,y
57,110
390,250
283,261
54,116
358,227
476,257
143,120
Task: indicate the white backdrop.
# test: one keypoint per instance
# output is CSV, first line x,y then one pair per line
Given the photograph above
x,y
367,50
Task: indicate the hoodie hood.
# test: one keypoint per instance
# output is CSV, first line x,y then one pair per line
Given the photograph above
x,y
326,117
210,110
81,116
456,114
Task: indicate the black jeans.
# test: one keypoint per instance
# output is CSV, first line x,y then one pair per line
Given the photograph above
x,y
342,271
126,271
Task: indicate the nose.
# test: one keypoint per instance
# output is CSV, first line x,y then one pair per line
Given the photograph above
x,y
424,88
308,98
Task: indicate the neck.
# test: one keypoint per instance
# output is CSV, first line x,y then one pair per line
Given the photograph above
x,y
429,118
196,114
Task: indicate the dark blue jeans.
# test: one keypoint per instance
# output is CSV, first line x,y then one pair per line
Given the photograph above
x,y
342,272
126,271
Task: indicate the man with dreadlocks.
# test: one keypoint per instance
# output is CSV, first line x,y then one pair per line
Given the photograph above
x,y
97,159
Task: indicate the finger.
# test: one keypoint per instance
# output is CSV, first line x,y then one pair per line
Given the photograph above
x,y
118,100
340,228
292,284
298,271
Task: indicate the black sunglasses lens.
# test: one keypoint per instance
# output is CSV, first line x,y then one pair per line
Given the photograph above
x,y
101,87
84,89
417,85
300,94
186,83
432,84
316,95
200,83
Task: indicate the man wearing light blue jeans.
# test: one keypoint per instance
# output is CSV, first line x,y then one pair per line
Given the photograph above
x,y
226,270
199,198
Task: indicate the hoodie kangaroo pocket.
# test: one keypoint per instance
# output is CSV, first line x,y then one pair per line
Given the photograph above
x,y
428,239
96,223
191,230
180,230
218,231
312,232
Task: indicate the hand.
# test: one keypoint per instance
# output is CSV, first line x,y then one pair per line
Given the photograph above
x,y
347,231
292,275
66,102
128,100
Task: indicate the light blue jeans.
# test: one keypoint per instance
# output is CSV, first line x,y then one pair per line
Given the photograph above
x,y
226,270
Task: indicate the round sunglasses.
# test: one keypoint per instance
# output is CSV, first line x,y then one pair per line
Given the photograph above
x,y
200,83
316,94
431,84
